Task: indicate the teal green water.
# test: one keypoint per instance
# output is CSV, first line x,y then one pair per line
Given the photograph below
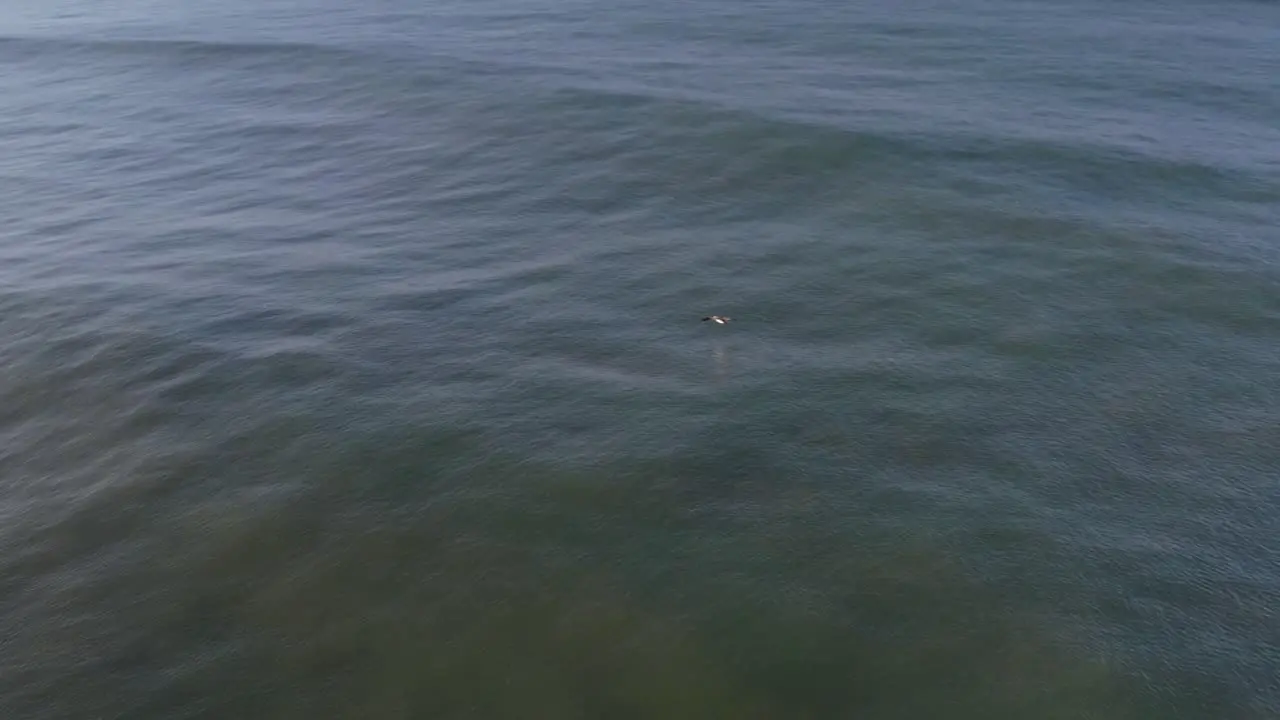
x,y
351,362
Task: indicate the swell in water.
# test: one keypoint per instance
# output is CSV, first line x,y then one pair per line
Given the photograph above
x,y
355,380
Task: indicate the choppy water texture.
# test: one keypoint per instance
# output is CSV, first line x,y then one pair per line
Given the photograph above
x,y
351,363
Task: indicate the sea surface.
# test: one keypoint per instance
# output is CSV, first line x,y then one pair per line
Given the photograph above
x,y
352,363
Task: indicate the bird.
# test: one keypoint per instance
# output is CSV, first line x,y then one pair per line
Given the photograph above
x,y
717,319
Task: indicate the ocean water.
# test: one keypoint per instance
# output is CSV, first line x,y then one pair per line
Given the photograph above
x,y
351,362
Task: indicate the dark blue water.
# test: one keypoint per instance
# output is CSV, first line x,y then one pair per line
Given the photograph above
x,y
351,363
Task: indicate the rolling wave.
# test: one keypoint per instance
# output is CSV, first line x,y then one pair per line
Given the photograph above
x,y
375,369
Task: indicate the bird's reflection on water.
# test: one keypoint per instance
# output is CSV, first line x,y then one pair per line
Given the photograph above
x,y
721,360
